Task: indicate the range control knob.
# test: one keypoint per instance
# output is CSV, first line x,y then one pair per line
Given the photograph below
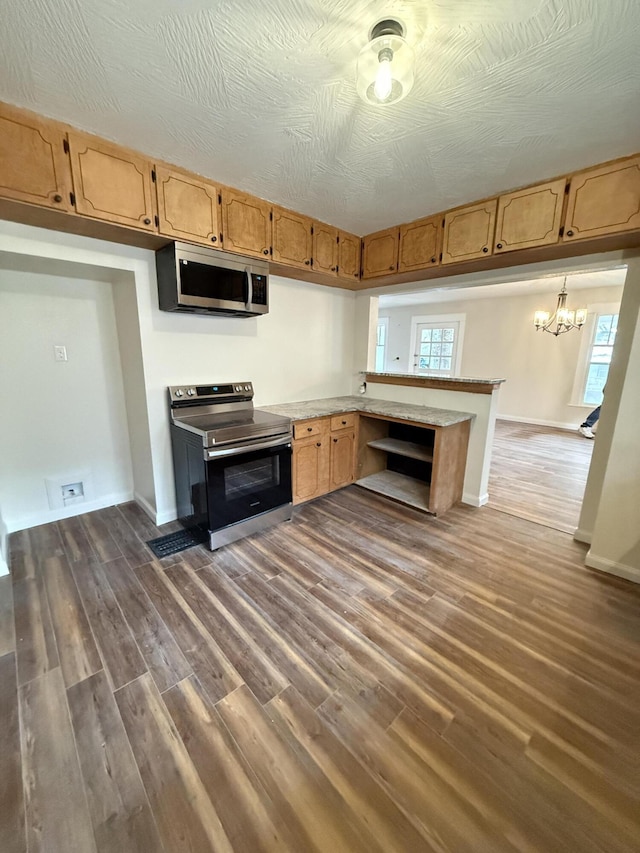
x,y
190,392
179,392
238,388
247,388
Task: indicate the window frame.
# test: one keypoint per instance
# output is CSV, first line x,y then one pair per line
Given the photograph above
x,y
443,319
587,343
381,321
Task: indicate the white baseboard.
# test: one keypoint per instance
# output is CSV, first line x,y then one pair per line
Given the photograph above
x,y
144,504
46,516
165,517
602,564
581,535
475,500
538,422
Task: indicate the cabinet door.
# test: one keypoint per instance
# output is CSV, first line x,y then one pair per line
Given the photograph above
x,y
468,232
111,182
380,253
188,207
604,201
325,248
34,165
291,238
530,217
246,224
420,243
310,468
343,459
349,247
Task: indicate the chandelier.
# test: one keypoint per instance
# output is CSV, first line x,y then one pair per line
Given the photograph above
x,y
563,319
385,65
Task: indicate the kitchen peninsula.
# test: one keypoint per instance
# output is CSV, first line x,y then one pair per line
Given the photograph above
x,y
413,454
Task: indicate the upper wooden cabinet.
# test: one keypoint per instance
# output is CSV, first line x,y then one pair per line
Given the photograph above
x,y
292,240
380,253
349,248
111,182
604,200
246,224
530,217
188,207
325,248
420,243
34,164
468,232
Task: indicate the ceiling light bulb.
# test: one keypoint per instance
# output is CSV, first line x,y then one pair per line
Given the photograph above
x,y
385,65
384,80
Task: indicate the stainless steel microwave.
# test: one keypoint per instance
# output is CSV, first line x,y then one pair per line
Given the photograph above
x,y
198,280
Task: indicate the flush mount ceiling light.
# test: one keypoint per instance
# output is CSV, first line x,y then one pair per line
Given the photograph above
x,y
385,65
562,319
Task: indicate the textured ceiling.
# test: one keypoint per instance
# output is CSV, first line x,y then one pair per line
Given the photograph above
x,y
260,94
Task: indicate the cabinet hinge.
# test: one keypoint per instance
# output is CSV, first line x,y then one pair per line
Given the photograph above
x,y
271,215
312,230
72,198
567,187
271,250
153,175
221,238
561,232
157,221
219,198
440,257
337,239
65,146
443,223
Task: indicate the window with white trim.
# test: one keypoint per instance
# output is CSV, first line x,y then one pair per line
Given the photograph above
x,y
595,354
381,343
436,344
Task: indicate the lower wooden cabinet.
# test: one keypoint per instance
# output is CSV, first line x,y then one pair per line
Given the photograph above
x,y
324,455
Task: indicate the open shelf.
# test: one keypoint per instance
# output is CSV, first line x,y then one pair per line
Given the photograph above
x,y
398,487
403,448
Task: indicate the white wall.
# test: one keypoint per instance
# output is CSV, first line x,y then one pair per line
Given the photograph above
x,y
59,418
610,517
500,341
298,351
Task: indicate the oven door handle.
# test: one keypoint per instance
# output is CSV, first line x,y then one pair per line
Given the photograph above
x,y
249,288
220,452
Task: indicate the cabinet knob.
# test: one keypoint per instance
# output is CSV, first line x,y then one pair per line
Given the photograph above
x,y
309,429
485,249
214,239
57,198
147,221
334,440
433,260
391,267
498,245
265,251
333,269
318,444
307,262
569,233
344,423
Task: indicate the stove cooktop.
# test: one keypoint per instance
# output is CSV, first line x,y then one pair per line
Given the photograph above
x,y
234,426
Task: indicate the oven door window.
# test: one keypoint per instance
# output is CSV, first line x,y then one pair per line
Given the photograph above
x,y
242,486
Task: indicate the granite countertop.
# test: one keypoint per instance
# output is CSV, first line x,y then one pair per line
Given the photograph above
x,y
335,405
461,379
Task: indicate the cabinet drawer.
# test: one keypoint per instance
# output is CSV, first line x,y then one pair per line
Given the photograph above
x,y
306,429
345,421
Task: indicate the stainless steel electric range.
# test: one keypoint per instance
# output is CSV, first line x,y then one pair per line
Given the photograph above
x,y
232,462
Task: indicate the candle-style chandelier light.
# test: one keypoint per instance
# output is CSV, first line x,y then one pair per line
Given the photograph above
x,y
563,319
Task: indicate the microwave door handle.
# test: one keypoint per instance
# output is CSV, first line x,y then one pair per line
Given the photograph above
x,y
249,288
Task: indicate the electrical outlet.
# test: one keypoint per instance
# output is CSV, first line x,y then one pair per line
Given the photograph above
x,y
72,493
60,353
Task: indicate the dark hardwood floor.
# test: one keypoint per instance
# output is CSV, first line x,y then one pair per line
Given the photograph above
x,y
539,473
364,678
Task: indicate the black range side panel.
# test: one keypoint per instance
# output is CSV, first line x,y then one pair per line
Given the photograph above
x,y
190,478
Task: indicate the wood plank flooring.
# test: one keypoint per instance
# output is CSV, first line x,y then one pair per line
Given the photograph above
x,y
539,473
363,678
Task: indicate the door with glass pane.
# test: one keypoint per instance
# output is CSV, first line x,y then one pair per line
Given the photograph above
x,y
436,345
